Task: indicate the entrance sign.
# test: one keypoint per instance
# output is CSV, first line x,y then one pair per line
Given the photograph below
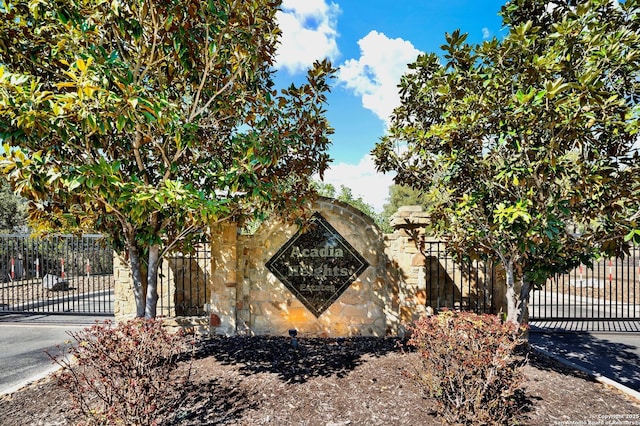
x,y
317,264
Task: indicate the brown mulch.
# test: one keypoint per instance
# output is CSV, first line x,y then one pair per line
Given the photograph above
x,y
356,381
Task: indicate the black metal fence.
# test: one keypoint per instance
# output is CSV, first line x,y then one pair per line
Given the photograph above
x,y
604,295
74,274
57,274
184,283
458,285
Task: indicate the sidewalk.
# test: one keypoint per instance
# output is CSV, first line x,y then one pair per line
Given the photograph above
x,y
613,358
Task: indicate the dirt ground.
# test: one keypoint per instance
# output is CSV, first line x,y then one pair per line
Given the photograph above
x,y
328,382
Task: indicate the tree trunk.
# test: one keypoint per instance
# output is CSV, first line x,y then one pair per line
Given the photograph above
x,y
517,295
152,282
138,284
512,313
525,289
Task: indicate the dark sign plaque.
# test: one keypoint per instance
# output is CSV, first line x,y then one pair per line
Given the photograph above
x,y
317,264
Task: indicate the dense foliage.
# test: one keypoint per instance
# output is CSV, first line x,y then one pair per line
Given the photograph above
x,y
126,373
146,120
527,146
470,367
13,209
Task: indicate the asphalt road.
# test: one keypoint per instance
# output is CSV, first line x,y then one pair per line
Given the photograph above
x,y
615,356
24,341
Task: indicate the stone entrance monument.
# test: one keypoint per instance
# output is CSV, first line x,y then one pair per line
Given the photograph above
x,y
336,275
324,278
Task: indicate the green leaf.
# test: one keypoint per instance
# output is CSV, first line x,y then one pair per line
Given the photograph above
x,y
634,236
75,183
121,122
149,116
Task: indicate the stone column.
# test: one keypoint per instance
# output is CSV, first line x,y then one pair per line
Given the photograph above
x,y
222,308
125,303
412,293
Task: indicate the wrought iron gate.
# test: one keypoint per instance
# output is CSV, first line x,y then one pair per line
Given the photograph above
x,y
184,283
603,296
59,274
458,285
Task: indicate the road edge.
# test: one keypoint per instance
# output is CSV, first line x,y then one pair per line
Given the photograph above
x,y
593,374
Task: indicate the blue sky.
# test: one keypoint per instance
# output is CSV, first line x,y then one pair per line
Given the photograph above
x,y
370,42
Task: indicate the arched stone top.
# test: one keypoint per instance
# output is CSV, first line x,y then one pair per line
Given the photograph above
x,y
340,207
355,226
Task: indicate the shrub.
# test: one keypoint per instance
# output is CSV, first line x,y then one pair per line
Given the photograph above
x,y
125,374
469,366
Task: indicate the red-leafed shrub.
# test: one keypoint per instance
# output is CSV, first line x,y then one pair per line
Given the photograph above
x,y
125,374
470,367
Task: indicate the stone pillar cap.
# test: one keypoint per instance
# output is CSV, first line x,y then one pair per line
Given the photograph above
x,y
409,217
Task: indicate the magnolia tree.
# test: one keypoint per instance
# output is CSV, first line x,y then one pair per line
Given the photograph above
x,y
146,120
527,145
13,216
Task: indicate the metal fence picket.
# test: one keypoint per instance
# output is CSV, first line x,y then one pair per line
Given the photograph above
x,y
57,274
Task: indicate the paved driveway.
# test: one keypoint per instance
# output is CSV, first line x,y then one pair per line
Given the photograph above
x,y
24,340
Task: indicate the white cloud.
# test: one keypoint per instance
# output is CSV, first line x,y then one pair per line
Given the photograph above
x,y
376,74
308,33
363,180
486,33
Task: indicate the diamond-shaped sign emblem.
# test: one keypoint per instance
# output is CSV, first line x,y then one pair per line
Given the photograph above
x,y
317,264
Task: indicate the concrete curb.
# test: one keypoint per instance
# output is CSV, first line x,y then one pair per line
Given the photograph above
x,y
30,380
595,375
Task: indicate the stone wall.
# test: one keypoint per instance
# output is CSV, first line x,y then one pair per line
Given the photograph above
x,y
406,264
246,298
266,306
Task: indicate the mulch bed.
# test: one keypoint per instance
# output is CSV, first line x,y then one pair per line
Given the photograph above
x,y
356,381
